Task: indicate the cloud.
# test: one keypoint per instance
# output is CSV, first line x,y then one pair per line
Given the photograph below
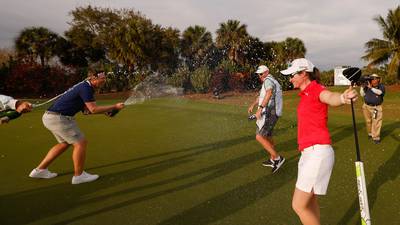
x,y
334,32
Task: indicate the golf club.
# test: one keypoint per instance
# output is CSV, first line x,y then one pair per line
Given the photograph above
x,y
353,74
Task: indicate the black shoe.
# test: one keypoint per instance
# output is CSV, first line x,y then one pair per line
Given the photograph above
x,y
369,137
377,142
269,163
277,164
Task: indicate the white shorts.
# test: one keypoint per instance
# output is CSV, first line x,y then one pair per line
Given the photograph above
x,y
64,128
315,169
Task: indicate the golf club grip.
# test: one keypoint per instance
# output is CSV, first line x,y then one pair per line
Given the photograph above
x,y
362,194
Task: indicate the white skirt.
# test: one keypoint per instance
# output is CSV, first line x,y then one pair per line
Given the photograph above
x,y
315,169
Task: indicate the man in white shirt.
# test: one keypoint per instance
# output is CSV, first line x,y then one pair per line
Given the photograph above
x,y
7,102
268,112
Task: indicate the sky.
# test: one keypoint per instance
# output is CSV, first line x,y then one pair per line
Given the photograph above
x,y
334,32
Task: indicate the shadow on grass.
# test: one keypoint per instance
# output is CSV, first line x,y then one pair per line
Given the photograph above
x,y
33,205
388,129
29,206
212,210
390,170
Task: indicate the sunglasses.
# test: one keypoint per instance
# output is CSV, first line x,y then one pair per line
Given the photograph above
x,y
292,75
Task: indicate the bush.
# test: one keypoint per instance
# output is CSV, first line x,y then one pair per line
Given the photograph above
x,y
201,79
181,78
239,81
229,67
33,80
327,78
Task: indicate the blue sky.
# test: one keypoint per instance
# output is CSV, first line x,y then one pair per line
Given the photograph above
x,y
334,32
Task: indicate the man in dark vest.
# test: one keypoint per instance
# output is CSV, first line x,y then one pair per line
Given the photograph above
x,y
373,93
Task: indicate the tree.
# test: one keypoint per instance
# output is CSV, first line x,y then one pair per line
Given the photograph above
x,y
232,37
294,48
36,42
386,50
194,45
91,32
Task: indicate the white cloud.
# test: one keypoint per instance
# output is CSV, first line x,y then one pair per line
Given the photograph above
x,y
334,32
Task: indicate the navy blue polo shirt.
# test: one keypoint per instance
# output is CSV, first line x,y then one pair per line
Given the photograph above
x,y
74,99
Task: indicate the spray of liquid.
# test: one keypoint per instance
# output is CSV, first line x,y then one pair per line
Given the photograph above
x,y
154,86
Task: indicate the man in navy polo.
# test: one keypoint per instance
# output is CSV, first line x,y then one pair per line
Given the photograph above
x,y
59,119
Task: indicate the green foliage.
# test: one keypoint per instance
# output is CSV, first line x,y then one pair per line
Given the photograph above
x,y
195,43
232,37
36,43
201,79
382,71
386,50
130,40
327,78
229,66
181,78
120,78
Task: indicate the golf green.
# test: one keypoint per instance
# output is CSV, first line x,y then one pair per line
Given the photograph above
x,y
177,161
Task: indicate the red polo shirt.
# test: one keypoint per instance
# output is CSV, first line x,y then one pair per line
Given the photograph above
x,y
312,118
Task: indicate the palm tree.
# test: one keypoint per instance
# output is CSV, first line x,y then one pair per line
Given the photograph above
x,y
232,36
195,43
36,42
294,48
381,51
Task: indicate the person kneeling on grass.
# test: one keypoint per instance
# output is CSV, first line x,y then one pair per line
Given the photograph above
x,y
9,103
59,119
317,156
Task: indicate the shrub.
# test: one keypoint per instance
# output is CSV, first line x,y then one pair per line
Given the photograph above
x,y
327,78
33,80
201,79
239,81
181,78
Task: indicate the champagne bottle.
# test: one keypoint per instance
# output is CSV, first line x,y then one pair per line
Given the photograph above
x,y
9,114
112,113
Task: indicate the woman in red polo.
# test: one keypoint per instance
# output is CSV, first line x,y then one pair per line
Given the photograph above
x,y
317,156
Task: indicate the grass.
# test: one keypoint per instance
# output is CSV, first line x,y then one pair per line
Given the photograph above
x,y
179,161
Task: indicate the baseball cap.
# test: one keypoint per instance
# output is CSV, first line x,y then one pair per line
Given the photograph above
x,y
262,69
298,65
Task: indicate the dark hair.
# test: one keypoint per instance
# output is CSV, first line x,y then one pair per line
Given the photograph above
x,y
315,75
94,72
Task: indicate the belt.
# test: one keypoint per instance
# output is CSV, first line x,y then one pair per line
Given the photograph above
x,y
56,113
372,104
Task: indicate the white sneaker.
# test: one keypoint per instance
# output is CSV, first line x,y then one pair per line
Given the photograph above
x,y
84,178
42,173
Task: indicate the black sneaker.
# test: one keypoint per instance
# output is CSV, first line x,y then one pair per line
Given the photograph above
x,y
269,163
369,137
277,164
377,142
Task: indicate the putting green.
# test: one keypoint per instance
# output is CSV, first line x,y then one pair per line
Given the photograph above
x,y
178,161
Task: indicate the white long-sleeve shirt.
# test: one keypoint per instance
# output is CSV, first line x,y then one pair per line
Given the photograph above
x,y
7,102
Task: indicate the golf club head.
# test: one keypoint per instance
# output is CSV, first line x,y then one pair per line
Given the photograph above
x,y
353,74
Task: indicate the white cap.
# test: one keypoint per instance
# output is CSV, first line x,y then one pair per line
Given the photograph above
x,y
375,75
299,65
262,69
